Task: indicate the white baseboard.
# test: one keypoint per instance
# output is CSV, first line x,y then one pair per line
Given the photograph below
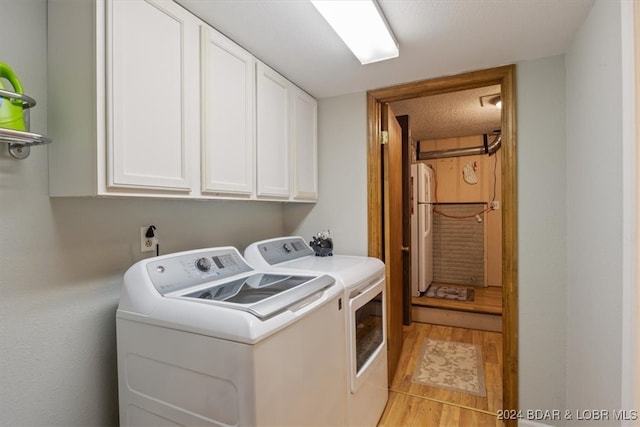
x,y
527,423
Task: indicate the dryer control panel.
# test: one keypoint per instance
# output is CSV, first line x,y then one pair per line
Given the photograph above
x,y
184,270
277,251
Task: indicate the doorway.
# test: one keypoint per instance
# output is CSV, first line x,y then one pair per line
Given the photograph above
x,y
454,273
378,208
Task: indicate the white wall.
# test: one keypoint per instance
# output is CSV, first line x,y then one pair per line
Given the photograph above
x,y
342,147
594,212
630,148
62,260
541,158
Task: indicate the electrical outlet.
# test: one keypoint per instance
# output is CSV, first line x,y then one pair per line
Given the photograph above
x,y
147,244
494,205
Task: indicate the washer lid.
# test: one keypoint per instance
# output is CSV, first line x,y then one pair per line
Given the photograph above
x,y
262,295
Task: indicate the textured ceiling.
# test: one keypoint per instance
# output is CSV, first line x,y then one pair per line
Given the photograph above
x,y
436,38
450,114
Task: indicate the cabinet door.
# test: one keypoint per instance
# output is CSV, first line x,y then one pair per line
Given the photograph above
x,y
305,146
272,133
152,94
228,91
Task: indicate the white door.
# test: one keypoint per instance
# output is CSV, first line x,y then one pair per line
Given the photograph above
x,y
273,134
228,95
425,183
304,146
415,250
424,234
152,94
425,245
367,331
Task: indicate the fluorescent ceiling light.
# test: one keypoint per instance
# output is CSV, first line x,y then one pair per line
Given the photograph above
x,y
361,25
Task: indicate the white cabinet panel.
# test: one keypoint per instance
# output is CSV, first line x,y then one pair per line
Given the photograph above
x,y
123,100
152,101
272,133
305,146
228,119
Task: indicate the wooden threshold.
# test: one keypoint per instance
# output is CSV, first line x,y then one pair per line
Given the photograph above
x,y
455,318
487,300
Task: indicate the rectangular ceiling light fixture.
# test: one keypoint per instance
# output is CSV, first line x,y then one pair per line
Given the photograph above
x,y
362,27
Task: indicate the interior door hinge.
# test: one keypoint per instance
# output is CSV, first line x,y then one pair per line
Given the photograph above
x,y
384,137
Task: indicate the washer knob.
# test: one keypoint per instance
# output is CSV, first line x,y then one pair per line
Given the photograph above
x,y
203,264
287,247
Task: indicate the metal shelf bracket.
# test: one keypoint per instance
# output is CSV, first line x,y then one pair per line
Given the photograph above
x,y
20,142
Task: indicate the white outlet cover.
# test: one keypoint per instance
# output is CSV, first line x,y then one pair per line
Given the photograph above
x,y
147,244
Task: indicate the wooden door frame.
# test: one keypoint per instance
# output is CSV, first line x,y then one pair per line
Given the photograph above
x,y
505,77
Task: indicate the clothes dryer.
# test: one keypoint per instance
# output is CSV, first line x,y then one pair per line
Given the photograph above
x,y
363,280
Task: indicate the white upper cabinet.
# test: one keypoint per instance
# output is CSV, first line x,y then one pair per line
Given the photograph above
x,y
146,100
287,144
123,98
152,98
228,116
273,133
304,146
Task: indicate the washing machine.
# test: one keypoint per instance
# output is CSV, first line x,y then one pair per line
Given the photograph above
x,y
204,339
363,280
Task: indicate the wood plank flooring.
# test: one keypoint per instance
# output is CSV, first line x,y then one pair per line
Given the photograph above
x,y
487,300
412,404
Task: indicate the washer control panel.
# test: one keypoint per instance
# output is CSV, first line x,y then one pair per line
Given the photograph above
x,y
180,271
282,250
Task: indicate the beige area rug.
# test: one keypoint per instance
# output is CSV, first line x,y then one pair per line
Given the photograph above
x,y
449,292
452,365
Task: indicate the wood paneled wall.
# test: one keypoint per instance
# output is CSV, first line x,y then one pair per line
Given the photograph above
x,y
450,187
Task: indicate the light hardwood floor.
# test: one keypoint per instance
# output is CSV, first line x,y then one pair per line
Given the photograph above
x,y
412,404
